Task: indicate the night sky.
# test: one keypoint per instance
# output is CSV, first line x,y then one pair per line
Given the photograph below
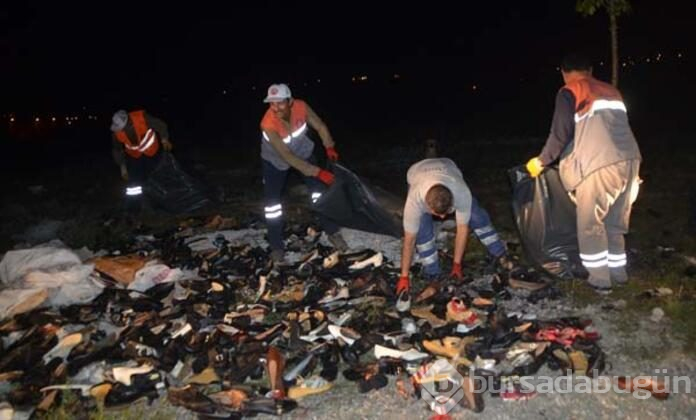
x,y
58,56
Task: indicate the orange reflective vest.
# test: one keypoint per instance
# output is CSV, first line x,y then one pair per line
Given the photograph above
x,y
298,122
146,138
592,95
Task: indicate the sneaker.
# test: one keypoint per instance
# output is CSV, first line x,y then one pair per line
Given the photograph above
x,y
338,242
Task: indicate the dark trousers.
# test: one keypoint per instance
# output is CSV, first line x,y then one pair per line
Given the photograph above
x,y
139,171
274,181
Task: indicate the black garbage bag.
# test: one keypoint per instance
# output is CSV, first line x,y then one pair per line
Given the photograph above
x,y
351,202
173,190
545,218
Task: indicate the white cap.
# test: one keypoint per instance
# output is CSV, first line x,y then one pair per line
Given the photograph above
x,y
119,120
277,93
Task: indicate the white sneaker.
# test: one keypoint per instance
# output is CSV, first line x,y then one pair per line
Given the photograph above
x,y
403,301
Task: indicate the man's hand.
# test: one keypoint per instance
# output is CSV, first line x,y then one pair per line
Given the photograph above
x,y
534,167
403,284
124,173
326,177
167,145
331,154
456,271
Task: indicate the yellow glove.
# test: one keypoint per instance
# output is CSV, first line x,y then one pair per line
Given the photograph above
x,y
534,167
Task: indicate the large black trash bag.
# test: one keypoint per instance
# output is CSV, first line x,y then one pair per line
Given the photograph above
x,y
546,219
352,203
174,190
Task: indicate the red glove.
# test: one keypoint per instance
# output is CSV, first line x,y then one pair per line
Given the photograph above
x,y
326,177
456,271
331,154
402,284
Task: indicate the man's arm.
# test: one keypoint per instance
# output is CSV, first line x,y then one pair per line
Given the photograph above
x,y
161,128
316,123
562,127
460,242
117,152
283,150
407,252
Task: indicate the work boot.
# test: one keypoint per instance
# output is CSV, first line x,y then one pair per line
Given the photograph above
x,y
618,275
338,242
601,286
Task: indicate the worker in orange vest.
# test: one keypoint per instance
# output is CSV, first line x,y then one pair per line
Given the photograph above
x,y
599,163
138,141
285,144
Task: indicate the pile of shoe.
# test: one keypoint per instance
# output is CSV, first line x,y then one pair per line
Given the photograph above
x,y
250,335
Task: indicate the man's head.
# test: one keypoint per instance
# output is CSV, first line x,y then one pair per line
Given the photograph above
x,y
119,120
279,99
439,200
575,65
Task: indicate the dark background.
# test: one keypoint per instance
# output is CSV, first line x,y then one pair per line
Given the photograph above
x,y
204,68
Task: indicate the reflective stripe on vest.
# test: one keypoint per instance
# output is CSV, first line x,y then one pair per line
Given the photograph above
x,y
295,134
593,95
147,138
601,104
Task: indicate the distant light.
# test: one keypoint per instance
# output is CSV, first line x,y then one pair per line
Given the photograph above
x,y
558,69
623,64
37,119
679,55
353,78
67,118
647,60
474,87
224,91
12,119
253,88
601,63
397,76
363,78
69,122
53,119
318,80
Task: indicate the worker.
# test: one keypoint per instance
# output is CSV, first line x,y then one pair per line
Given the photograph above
x,y
285,144
138,141
599,161
437,188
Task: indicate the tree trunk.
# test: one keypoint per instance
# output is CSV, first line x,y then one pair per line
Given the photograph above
x,y
614,50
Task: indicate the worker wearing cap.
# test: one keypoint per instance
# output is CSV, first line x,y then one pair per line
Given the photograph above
x,y
138,139
284,144
599,163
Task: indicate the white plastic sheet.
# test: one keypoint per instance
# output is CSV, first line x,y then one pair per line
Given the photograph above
x,y
44,275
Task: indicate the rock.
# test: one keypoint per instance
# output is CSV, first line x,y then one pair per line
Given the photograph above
x,y
657,315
